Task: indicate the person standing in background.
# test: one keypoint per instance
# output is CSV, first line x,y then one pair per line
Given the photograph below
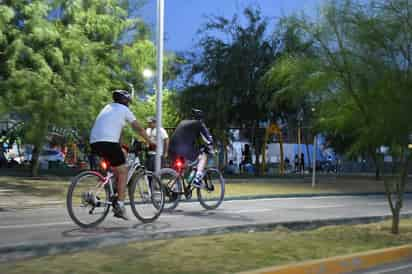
x,y
151,154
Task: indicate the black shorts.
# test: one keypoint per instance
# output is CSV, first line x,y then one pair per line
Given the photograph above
x,y
112,152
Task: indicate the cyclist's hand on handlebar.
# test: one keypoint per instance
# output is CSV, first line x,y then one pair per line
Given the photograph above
x,y
211,149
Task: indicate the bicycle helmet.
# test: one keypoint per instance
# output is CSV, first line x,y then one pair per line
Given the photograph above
x,y
122,97
197,114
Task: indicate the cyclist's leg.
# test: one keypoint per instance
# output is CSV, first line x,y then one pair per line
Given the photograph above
x,y
115,155
197,182
202,163
120,170
121,175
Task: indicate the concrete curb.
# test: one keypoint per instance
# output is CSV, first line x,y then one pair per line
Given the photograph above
x,y
143,232
343,264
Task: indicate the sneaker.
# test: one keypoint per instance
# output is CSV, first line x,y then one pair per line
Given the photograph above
x,y
120,212
197,183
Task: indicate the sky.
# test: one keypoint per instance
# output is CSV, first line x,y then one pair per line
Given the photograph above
x,y
183,18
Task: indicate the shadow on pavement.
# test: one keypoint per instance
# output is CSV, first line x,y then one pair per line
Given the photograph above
x,y
216,215
101,230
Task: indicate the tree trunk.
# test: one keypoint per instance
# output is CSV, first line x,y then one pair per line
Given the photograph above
x,y
377,167
258,166
282,157
395,221
35,161
377,174
399,190
307,150
256,141
225,157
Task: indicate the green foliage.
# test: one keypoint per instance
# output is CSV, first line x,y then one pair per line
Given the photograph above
x,y
359,77
60,60
357,74
232,64
146,108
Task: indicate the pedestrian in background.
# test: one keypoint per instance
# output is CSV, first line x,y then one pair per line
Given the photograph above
x,y
164,146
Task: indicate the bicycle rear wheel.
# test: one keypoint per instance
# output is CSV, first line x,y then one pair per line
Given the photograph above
x,y
172,187
146,196
212,195
87,200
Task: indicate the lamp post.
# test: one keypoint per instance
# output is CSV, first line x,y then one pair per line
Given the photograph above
x,y
299,120
315,145
159,88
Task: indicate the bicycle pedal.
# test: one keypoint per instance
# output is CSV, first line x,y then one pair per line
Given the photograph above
x,y
210,187
188,195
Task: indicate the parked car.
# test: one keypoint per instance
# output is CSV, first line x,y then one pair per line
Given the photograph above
x,y
51,156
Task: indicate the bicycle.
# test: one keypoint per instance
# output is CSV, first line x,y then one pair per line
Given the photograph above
x,y
177,181
91,194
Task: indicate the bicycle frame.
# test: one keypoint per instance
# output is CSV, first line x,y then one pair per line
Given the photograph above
x,y
133,166
187,186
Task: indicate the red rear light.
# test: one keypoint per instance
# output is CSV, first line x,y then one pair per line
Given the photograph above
x,y
179,164
104,165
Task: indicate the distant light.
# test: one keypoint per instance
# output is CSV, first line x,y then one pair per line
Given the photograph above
x,y
313,109
410,146
147,73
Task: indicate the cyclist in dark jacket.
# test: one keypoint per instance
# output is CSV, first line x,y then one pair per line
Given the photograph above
x,y
183,143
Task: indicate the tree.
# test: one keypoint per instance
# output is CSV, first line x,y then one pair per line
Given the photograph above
x,y
232,60
361,78
59,61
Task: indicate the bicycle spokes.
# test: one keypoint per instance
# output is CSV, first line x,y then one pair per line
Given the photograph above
x,y
211,196
86,203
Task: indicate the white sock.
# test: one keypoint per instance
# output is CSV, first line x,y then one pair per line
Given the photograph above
x,y
199,175
121,203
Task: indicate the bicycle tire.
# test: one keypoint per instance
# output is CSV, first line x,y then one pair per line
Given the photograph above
x,y
170,179
69,199
211,176
148,209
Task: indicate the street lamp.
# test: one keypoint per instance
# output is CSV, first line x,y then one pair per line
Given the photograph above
x,y
147,73
159,72
299,119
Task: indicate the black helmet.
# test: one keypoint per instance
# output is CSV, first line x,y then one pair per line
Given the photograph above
x,y
121,97
197,114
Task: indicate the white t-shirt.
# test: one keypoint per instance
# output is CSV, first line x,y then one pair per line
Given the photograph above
x,y
110,122
151,132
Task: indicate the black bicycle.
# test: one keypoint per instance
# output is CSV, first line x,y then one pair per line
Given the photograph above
x,y
177,182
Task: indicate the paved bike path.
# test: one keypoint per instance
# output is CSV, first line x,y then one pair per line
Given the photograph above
x,y
46,231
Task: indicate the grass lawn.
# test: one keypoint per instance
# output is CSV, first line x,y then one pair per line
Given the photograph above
x,y
227,253
304,186
24,191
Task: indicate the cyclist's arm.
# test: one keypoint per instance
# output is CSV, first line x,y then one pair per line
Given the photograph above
x,y
165,139
205,133
141,131
166,147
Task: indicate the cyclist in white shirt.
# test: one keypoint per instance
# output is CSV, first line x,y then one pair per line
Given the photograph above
x,y
105,141
164,145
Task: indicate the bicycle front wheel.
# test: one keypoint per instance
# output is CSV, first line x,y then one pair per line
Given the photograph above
x,y
146,196
213,193
87,200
